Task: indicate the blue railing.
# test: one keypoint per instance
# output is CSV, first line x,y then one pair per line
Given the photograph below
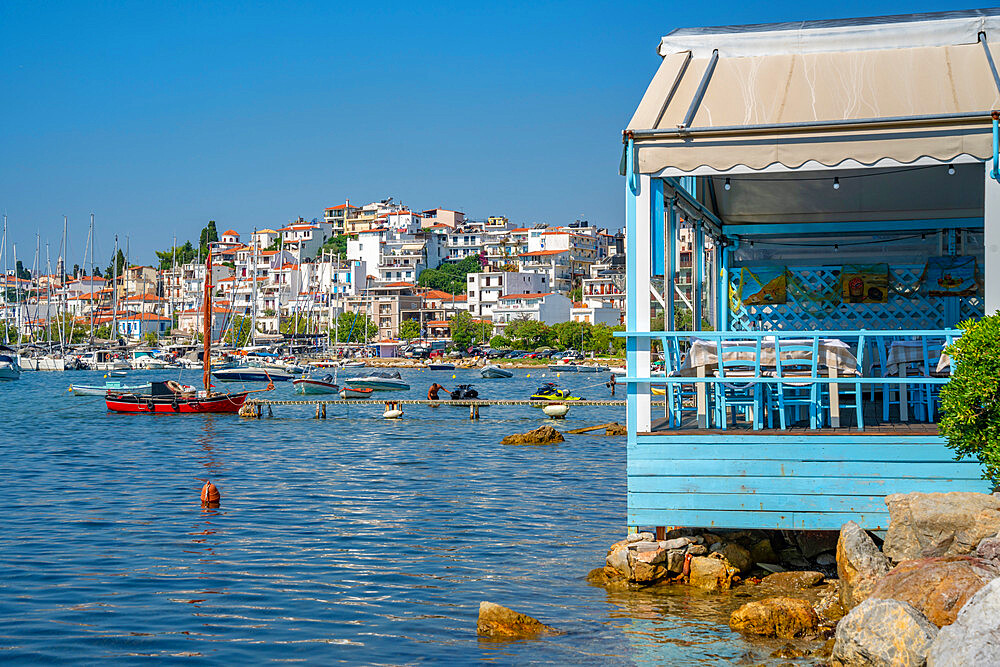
x,y
755,379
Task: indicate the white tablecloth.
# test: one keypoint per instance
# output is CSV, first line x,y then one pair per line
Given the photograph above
x,y
703,353
911,353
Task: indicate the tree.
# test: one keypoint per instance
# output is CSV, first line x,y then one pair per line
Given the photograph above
x,y
182,254
529,334
499,342
118,260
599,339
409,329
576,294
354,328
569,334
7,332
238,334
337,245
482,331
208,235
297,325
151,338
450,277
21,271
461,326
971,399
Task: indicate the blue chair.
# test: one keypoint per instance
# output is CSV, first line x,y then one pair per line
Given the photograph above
x,y
849,395
796,360
677,394
891,395
748,396
928,395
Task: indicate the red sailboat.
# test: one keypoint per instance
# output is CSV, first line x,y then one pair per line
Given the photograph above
x,y
170,396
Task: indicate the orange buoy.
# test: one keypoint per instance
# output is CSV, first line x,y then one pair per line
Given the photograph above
x,y
210,495
686,569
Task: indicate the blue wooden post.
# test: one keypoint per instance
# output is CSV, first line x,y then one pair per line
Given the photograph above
x,y
671,272
724,288
698,275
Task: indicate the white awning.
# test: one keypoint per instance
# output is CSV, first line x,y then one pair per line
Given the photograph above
x,y
745,98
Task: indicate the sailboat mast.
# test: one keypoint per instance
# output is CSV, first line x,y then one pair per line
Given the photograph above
x,y
173,277
253,290
90,242
17,300
207,323
6,285
114,291
48,298
64,333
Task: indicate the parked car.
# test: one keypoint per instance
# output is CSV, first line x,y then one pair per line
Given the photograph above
x,y
496,354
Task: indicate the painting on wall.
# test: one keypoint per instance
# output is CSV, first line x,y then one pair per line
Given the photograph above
x,y
950,276
762,287
864,283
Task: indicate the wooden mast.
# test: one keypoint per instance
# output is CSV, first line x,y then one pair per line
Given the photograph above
x,y
207,323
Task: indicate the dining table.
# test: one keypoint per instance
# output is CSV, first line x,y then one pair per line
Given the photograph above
x,y
906,355
702,358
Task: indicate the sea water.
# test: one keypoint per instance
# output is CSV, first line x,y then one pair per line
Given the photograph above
x,y
351,539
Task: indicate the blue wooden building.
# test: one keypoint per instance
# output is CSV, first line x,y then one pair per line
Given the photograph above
x,y
835,183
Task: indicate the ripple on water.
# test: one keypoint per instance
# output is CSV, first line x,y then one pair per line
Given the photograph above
x,y
351,539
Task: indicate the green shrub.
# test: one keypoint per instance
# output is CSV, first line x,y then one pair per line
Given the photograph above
x,y
970,402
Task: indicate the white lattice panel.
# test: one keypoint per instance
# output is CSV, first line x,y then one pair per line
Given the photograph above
x,y
806,310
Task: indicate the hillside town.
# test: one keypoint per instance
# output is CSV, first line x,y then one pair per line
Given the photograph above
x,y
403,273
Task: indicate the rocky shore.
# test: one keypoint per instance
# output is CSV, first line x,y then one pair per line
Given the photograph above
x,y
930,594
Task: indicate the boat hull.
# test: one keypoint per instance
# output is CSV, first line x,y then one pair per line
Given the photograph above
x,y
377,385
244,375
95,390
492,373
347,392
224,403
304,386
10,372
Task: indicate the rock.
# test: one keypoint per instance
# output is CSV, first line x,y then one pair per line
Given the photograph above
x,y
775,617
883,632
974,637
989,549
738,557
923,525
503,623
648,573
697,549
675,561
763,552
936,587
642,547
651,556
543,435
859,565
615,429
618,561
770,567
811,543
791,556
793,580
633,537
710,538
787,651
676,543
826,559
646,536
711,573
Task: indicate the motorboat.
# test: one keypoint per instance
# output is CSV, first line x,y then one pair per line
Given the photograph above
x,y
347,392
357,363
105,360
495,372
310,385
464,392
596,368
146,360
550,392
564,368
111,385
251,374
10,366
441,367
379,380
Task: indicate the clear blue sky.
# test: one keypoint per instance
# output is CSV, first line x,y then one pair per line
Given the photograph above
x,y
160,116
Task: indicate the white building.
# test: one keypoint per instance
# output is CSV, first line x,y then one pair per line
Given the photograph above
x,y
485,289
549,308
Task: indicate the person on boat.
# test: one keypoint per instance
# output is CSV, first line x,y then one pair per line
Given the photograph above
x,y
432,393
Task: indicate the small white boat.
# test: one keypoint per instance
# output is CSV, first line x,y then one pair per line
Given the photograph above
x,y
354,364
618,370
564,368
379,381
596,368
347,392
495,372
104,360
10,366
324,385
250,374
114,385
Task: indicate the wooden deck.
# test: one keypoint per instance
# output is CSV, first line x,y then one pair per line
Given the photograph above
x,y
689,428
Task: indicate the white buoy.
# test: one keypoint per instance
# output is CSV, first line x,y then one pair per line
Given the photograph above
x,y
555,410
393,414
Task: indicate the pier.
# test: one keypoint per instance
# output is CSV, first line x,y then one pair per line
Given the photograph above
x,y
257,405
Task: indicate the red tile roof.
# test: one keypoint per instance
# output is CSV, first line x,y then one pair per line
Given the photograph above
x,y
229,233
400,284
540,253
